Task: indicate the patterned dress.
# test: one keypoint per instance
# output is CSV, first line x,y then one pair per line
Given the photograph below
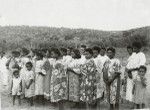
x,y
73,80
88,82
58,82
99,62
113,90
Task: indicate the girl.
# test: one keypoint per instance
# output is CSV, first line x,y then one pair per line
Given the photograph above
x,y
11,64
58,80
16,86
39,77
111,75
73,72
88,80
139,89
29,82
24,60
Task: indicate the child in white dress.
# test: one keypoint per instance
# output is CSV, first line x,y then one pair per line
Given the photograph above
x,y
139,89
29,82
16,86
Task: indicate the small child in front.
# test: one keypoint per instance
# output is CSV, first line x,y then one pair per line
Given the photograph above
x,y
29,82
16,86
139,89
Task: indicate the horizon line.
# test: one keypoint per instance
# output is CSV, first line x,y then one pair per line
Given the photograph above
x,y
73,28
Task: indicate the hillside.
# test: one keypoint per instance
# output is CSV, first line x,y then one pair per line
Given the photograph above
x,y
37,37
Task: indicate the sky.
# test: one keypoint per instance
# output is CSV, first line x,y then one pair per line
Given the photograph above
x,y
92,14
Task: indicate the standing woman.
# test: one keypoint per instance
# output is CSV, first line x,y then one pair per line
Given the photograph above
x,y
88,87
111,74
48,69
39,77
73,72
58,80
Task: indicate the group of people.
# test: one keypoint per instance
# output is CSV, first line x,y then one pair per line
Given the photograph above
x,y
83,76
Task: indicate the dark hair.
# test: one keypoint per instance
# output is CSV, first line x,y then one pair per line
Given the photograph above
x,y
96,48
63,50
83,46
70,48
39,54
111,49
102,48
77,53
89,50
143,67
137,45
129,47
15,71
56,51
16,52
26,51
29,63
44,50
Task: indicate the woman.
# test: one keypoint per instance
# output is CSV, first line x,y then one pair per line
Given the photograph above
x,y
73,76
111,74
88,80
58,80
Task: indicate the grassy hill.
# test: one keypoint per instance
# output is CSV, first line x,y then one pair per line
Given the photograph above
x,y
12,37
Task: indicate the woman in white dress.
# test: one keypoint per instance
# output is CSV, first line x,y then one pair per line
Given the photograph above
x,y
136,60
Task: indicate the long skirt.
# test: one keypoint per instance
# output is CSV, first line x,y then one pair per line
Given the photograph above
x,y
39,84
129,95
58,87
47,84
73,86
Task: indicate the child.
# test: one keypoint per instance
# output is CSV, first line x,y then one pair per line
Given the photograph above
x,y
29,82
16,86
139,88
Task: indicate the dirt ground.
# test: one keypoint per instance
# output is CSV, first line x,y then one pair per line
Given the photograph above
x,y
6,101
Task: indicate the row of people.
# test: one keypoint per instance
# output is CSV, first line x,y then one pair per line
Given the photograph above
x,y
87,75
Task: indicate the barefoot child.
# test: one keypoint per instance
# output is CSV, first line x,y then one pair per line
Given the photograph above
x,y
16,86
139,88
29,82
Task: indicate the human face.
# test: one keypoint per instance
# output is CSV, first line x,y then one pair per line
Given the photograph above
x,y
135,49
110,54
82,50
16,74
130,51
68,52
102,52
88,55
95,53
54,55
142,72
29,67
73,54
